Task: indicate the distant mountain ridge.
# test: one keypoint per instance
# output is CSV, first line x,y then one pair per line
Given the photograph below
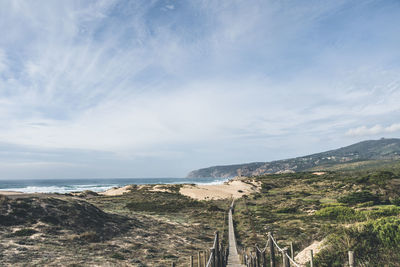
x,y
382,149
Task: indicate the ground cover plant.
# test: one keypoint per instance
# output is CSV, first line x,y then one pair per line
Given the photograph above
x,y
140,228
349,209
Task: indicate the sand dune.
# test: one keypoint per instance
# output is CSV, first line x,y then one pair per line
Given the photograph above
x,y
232,189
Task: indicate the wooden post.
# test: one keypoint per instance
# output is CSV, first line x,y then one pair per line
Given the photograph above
x,y
285,260
191,261
271,250
351,259
291,251
212,255
198,259
257,256
222,255
205,258
173,264
217,252
264,259
311,258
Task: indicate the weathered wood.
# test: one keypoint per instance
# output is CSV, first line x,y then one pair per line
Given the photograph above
x,y
291,251
198,259
191,261
285,260
351,259
271,250
217,252
257,256
205,258
222,255
212,255
264,259
311,258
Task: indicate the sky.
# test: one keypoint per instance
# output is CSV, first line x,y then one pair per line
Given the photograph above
x,y
144,88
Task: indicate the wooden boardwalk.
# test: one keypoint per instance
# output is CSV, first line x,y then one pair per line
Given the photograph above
x,y
233,257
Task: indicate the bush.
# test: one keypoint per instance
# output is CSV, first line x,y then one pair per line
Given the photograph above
x,y
388,231
381,177
381,212
118,256
396,201
24,232
287,210
373,243
359,197
340,213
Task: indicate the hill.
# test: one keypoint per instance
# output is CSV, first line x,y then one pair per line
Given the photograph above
x,y
364,153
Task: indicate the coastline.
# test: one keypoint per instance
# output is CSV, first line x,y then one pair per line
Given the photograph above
x,y
233,188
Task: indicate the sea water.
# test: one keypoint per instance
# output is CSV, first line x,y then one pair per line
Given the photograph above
x,y
96,185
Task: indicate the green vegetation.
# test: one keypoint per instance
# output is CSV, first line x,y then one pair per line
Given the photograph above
x,y
166,202
153,225
144,227
351,210
359,197
366,154
24,232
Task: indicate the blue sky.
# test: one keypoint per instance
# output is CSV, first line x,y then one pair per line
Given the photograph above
x,y
158,88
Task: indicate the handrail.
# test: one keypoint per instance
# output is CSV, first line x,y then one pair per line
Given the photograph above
x,y
264,249
210,259
283,252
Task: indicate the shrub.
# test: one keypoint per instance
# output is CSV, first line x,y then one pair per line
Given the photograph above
x,y
381,212
118,256
373,243
24,232
266,187
359,197
396,201
287,210
381,177
89,236
340,213
388,231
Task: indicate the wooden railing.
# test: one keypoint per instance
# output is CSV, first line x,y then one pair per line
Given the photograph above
x,y
218,254
257,258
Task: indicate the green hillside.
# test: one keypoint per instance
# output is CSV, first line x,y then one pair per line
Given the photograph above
x,y
371,152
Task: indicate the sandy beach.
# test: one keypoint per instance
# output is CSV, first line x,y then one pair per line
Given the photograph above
x,y
9,193
234,188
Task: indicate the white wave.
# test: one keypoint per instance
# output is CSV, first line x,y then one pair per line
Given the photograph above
x,y
105,186
215,182
62,189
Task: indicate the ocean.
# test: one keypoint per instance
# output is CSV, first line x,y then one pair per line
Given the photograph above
x,y
96,185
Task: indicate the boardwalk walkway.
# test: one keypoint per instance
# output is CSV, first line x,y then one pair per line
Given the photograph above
x,y
233,257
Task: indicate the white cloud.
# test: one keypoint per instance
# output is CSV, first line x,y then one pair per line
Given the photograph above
x,y
374,130
129,78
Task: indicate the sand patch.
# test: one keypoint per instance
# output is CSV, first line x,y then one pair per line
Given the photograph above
x,y
10,193
232,189
116,191
304,256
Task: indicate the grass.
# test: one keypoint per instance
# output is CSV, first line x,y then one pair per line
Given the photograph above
x,y
354,209
338,205
163,227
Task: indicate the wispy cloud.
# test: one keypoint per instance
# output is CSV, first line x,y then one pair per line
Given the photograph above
x,y
374,130
179,85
